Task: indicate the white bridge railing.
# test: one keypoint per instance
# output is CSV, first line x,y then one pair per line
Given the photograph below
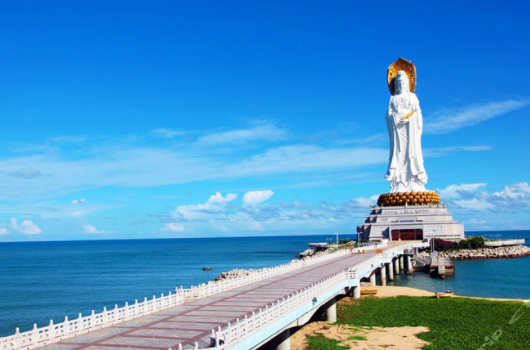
x,y
53,333
243,328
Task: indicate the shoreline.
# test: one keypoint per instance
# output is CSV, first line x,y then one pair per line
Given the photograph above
x,y
384,329
396,291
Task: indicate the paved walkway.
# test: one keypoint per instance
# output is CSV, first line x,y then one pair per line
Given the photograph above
x,y
193,321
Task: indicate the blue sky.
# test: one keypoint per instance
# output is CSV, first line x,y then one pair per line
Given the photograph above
x,y
237,118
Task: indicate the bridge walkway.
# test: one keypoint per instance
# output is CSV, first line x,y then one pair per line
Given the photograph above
x,y
193,321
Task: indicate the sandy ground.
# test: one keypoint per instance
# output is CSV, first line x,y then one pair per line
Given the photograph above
x,y
370,338
390,291
376,337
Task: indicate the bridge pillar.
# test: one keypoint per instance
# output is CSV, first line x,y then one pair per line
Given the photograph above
x,y
396,266
357,292
390,272
401,263
284,340
383,275
410,270
331,310
372,278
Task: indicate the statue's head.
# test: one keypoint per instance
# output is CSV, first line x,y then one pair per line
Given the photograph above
x,y
402,82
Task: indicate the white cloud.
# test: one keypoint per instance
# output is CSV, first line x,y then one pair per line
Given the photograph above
x,y
214,205
474,204
362,202
442,151
255,226
476,222
130,163
452,120
92,229
261,132
173,227
256,197
465,196
218,198
167,133
27,227
3,231
456,191
25,173
306,158
515,191
78,201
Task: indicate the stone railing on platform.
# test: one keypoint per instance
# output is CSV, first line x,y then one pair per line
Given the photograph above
x,y
53,333
505,242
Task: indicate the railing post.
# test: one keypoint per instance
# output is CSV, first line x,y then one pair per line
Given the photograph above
x,y
51,330
17,339
66,326
35,336
104,315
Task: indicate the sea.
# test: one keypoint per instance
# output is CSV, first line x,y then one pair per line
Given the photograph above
x,y
40,281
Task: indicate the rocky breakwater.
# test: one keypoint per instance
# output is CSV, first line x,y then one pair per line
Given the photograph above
x,y
517,251
236,273
312,252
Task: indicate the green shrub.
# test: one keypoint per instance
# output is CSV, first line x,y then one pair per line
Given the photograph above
x,y
463,244
476,242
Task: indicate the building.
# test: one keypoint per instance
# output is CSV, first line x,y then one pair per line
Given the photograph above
x,y
399,223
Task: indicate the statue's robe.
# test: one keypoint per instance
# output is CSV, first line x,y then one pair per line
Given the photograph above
x,y
398,107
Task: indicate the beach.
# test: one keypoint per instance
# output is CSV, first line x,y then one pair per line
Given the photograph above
x,y
393,291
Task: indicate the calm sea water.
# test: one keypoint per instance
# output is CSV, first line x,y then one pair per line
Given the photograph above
x,y
491,278
40,281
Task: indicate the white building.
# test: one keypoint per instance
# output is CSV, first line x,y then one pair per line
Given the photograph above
x,y
409,223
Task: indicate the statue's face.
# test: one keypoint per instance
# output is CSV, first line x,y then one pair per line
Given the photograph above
x,y
402,82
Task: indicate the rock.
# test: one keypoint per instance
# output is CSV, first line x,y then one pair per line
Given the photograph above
x,y
236,273
486,253
306,253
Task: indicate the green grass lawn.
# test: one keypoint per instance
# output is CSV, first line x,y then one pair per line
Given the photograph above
x,y
454,323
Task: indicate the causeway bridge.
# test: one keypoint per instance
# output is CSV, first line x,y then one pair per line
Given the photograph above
x,y
240,314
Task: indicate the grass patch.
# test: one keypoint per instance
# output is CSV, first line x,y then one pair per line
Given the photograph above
x,y
320,342
454,323
357,337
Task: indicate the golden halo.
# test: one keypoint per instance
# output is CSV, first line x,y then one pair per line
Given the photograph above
x,y
408,67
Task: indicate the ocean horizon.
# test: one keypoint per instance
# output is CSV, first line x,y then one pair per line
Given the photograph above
x,y
47,280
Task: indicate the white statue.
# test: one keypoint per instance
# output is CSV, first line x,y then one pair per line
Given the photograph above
x,y
405,125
